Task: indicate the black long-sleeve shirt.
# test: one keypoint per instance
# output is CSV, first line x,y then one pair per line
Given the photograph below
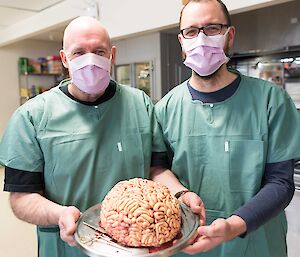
x,y
277,183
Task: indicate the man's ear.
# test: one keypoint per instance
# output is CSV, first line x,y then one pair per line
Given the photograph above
x,y
231,35
63,58
179,36
113,55
180,39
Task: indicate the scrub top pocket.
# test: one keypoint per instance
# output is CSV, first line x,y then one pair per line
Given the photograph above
x,y
50,243
245,165
136,150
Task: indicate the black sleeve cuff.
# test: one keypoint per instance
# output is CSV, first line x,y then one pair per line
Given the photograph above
x,y
23,181
276,193
160,159
246,216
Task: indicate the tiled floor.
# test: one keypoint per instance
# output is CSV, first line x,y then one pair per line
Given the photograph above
x,y
293,216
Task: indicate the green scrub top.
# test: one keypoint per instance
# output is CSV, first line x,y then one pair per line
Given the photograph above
x,y
82,150
220,150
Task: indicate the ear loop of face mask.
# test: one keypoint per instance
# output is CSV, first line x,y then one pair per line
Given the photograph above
x,y
189,42
225,35
202,56
227,31
91,80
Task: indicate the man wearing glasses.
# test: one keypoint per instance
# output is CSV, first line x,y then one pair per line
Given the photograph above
x,y
232,140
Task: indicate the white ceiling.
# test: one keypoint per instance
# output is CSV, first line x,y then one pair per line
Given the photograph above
x,y
29,5
40,19
46,19
14,11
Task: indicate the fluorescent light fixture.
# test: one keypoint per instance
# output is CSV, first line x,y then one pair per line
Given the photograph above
x,y
286,60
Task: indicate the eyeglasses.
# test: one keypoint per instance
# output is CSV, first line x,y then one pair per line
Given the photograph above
x,y
208,30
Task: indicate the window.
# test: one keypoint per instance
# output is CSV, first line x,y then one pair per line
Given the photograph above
x,y
123,74
138,75
142,77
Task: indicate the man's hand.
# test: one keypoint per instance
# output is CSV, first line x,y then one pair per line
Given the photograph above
x,y
219,231
36,209
195,203
67,224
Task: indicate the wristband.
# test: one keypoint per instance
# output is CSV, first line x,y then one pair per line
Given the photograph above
x,y
180,193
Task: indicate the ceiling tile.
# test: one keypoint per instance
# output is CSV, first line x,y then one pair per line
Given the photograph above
x,y
30,5
10,16
52,35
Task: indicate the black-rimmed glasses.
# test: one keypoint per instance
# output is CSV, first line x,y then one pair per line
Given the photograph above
x,y
208,30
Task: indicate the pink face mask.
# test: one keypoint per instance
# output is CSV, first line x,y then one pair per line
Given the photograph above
x,y
205,54
90,73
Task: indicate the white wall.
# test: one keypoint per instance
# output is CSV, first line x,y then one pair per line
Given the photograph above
x,y
17,237
128,17
9,88
13,231
140,49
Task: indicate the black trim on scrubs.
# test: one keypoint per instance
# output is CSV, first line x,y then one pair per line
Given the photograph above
x,y
23,181
108,94
160,159
278,180
26,181
217,96
276,193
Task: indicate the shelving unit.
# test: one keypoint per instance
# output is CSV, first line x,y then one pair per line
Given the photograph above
x,y
35,77
32,84
281,68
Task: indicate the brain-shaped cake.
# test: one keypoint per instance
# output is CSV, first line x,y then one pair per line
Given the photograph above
x,y
140,212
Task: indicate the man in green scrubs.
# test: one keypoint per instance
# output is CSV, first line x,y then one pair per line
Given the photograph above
x,y
231,140
66,148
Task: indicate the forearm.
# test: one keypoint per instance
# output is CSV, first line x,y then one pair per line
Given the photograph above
x,y
264,206
167,178
275,195
237,226
36,209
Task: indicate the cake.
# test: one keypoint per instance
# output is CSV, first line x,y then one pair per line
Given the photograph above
x,y
140,213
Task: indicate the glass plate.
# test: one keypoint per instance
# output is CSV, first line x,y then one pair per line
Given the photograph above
x,y
88,240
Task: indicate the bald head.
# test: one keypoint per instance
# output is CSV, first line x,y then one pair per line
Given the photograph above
x,y
84,27
86,35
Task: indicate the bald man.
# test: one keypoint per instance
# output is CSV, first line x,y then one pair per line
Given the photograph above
x,y
64,149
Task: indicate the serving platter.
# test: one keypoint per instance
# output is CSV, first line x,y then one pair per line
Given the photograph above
x,y
94,242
